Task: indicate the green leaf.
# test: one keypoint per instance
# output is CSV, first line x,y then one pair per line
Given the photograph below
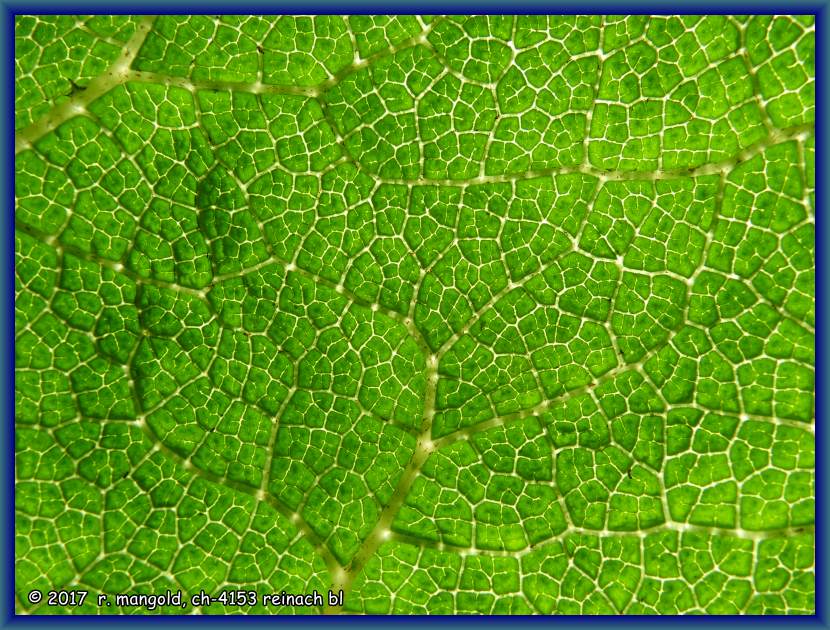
x,y
458,315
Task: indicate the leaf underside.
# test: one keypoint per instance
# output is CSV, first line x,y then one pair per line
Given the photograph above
x,y
465,315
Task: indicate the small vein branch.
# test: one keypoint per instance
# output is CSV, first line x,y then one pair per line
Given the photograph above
x,y
383,528
118,73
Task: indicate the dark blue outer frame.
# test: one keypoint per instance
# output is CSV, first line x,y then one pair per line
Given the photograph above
x,y
9,9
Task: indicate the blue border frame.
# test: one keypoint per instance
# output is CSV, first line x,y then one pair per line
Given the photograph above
x,y
819,8
822,444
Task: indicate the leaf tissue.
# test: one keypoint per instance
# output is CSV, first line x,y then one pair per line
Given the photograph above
x,y
455,315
